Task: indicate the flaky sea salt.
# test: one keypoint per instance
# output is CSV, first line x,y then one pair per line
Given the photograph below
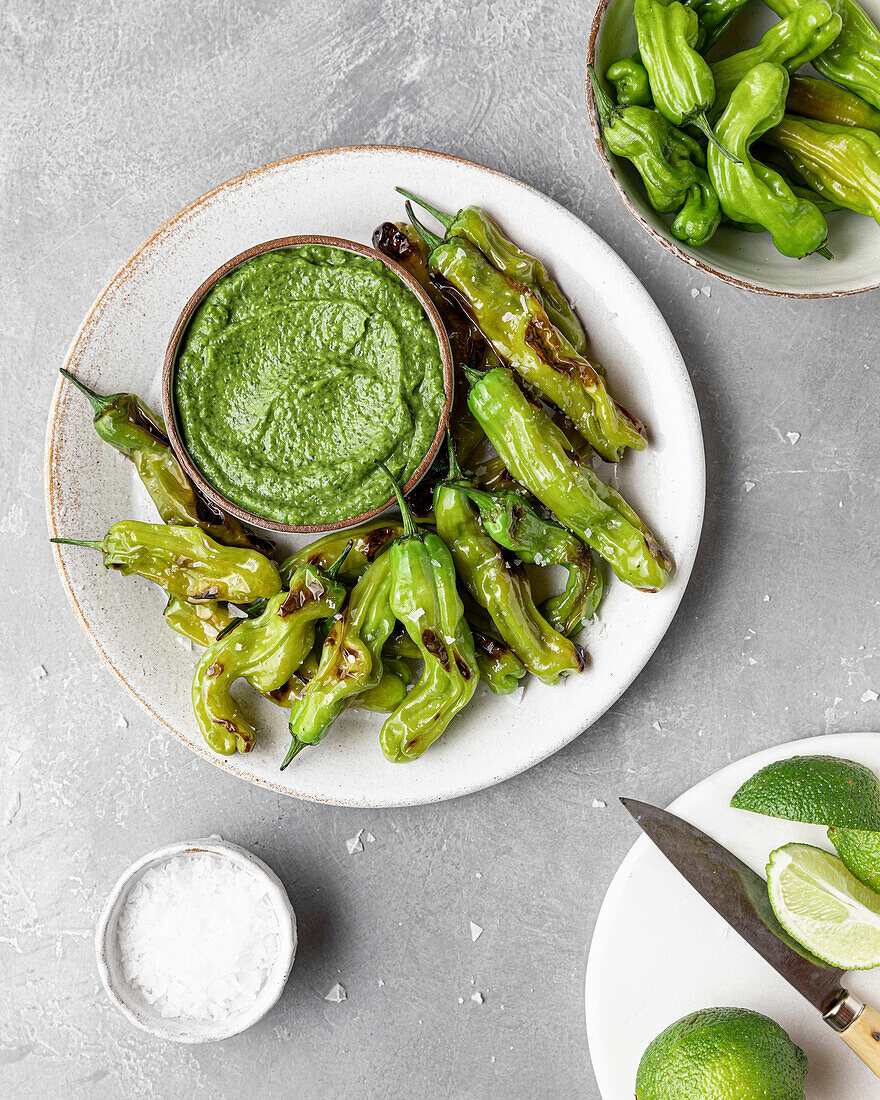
x,y
336,995
476,931
198,937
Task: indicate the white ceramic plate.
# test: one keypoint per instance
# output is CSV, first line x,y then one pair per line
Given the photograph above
x,y
659,951
747,260
347,192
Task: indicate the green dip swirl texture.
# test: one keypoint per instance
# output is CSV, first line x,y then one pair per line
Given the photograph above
x,y
300,372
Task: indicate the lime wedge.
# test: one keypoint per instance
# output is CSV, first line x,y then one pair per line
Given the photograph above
x,y
860,853
818,790
824,907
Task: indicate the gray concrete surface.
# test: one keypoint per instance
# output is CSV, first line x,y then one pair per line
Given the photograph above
x,y
114,116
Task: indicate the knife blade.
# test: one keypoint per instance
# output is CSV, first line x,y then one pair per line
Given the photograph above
x,y
739,895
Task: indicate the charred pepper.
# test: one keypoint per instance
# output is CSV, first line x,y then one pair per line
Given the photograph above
x,y
509,517
368,541
499,587
792,42
841,163
629,78
853,58
200,622
351,658
827,102
185,561
500,668
681,80
265,651
751,192
513,319
424,598
536,452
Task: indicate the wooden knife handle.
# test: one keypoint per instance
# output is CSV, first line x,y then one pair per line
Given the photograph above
x,y
862,1036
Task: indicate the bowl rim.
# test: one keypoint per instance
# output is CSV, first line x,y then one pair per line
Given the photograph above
x,y
277,979
668,244
169,366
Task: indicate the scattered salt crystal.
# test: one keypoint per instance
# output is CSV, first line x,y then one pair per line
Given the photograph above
x,y
381,983
695,292
10,808
766,598
39,672
748,486
461,1000
657,726
792,437
12,757
121,722
752,661
369,838
477,997
479,874
598,804
476,932
707,290
181,942
870,696
336,995
515,697
355,844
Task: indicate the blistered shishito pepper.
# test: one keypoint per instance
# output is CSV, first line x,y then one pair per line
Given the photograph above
x,y
842,163
368,540
715,18
351,658
185,561
629,78
474,225
200,622
751,192
265,651
383,698
425,600
792,42
132,428
853,58
508,516
499,587
500,668
513,319
681,80
537,454
828,102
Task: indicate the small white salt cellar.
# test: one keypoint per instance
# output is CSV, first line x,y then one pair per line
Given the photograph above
x,y
196,941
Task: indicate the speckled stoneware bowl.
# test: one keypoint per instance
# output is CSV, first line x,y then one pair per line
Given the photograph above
x,y
133,1006
746,260
169,408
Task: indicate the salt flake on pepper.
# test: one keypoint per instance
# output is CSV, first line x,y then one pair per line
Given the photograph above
x,y
476,932
336,995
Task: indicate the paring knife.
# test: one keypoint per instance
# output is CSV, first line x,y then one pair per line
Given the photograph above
x,y
740,896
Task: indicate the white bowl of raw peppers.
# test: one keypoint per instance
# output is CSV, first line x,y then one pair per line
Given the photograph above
x,y
748,260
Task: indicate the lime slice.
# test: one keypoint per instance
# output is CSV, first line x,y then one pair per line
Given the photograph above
x,y
818,790
860,852
824,907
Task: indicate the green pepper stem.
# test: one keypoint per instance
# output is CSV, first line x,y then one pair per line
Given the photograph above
x,y
702,124
430,239
473,376
826,252
98,402
454,468
97,545
337,565
604,104
296,747
481,498
445,219
410,531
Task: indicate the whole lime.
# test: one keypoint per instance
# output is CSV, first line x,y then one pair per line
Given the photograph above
x,y
722,1054
818,790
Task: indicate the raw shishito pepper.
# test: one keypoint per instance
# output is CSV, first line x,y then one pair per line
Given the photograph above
x,y
629,78
132,428
425,600
499,587
266,651
186,562
512,317
715,18
670,162
474,225
853,58
351,659
752,192
828,102
681,80
792,42
537,454
841,163
509,517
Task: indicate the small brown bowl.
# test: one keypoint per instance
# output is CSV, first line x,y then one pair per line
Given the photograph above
x,y
169,408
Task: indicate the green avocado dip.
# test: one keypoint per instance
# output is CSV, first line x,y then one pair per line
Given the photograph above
x,y
300,372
